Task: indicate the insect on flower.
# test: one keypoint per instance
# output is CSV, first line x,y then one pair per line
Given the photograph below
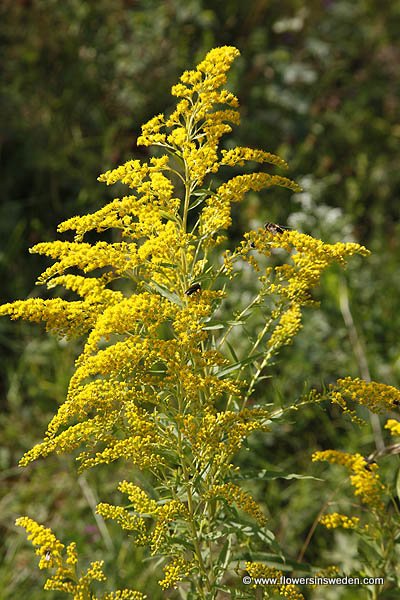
x,y
271,228
274,228
47,554
369,463
196,287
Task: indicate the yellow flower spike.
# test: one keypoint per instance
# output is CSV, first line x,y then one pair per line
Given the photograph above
x,y
166,514
310,259
49,548
234,494
218,436
124,595
95,571
288,326
363,476
151,132
377,397
216,63
175,572
122,516
72,555
239,155
132,173
334,520
140,500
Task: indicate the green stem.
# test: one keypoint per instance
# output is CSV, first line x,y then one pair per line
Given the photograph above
x,y
192,522
236,320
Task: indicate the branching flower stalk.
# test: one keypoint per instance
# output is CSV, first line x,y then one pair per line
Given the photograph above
x,y
158,383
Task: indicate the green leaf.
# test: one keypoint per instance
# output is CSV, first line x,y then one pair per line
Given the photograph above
x,y
163,291
276,561
398,484
268,475
232,351
202,192
239,364
224,551
214,326
369,552
181,541
167,265
199,200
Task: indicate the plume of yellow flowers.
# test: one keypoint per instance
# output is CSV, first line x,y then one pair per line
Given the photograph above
x,y
377,397
64,564
364,477
154,385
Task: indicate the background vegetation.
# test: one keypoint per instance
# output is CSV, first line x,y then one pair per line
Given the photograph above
x,y
319,84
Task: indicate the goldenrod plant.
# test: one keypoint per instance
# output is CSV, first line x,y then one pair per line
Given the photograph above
x,y
375,518
159,383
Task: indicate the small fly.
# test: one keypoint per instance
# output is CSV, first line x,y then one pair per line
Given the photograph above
x,y
274,228
193,289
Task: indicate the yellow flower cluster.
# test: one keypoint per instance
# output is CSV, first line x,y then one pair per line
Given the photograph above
x,y
364,477
80,588
239,155
292,281
151,132
233,494
140,500
289,591
91,289
311,258
217,436
49,548
132,174
175,571
393,426
125,520
65,578
142,505
143,511
199,91
124,378
72,555
141,445
377,397
139,313
143,449
288,326
216,214
166,514
195,129
62,317
334,520
120,257
124,595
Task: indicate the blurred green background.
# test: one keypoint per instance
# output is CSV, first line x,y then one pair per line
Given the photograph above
x,y
319,84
